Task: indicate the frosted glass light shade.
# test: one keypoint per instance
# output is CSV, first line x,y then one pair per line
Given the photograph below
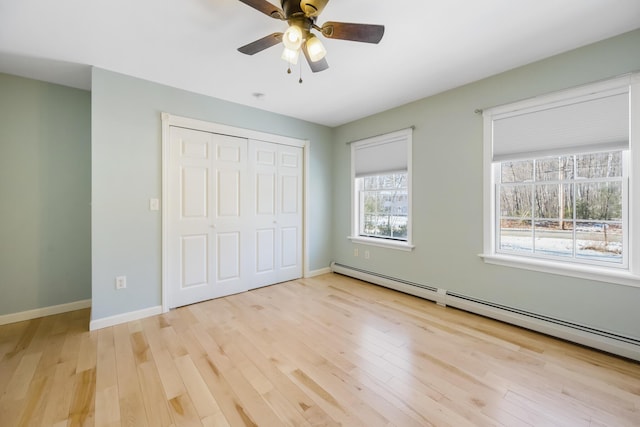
x,y
315,49
292,38
290,55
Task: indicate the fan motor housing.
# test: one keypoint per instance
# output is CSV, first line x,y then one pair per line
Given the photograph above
x,y
295,15
313,7
291,8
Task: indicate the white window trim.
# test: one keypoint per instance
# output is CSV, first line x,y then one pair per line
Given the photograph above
x,y
382,243
629,276
377,241
621,277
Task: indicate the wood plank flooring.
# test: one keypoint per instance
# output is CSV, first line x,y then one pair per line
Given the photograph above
x,y
324,351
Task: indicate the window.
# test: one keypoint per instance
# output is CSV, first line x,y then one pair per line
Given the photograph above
x,y
381,190
557,183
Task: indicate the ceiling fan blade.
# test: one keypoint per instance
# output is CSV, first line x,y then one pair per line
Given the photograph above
x,y
317,66
313,8
265,7
367,33
261,44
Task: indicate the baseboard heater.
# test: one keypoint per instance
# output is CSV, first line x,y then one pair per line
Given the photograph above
x,y
602,340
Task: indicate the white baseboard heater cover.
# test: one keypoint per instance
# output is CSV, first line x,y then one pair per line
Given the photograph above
x,y
602,340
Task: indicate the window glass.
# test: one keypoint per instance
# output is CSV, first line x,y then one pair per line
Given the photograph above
x,y
599,201
515,235
554,169
515,201
599,165
520,171
557,213
384,206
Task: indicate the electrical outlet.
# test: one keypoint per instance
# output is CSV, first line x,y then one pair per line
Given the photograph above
x,y
355,251
366,255
121,282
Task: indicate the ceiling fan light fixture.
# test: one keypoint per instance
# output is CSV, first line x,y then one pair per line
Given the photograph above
x,y
301,16
290,55
315,49
292,38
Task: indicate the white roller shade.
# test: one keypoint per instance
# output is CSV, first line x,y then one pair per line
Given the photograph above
x,y
382,154
381,157
591,123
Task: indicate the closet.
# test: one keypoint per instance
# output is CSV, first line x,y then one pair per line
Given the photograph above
x,y
234,214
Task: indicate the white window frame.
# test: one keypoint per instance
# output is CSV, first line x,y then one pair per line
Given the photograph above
x,y
630,275
405,245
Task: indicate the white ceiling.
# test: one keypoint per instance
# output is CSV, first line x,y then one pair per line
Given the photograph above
x,y
428,47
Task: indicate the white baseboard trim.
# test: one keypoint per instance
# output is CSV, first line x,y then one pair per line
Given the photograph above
x,y
314,273
105,322
628,347
44,311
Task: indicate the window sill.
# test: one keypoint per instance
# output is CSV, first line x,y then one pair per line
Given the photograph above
x,y
382,243
622,277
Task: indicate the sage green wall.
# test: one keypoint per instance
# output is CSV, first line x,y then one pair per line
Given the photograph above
x,y
126,172
447,194
45,240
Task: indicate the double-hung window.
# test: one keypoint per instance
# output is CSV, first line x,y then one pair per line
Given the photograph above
x,y
559,188
381,190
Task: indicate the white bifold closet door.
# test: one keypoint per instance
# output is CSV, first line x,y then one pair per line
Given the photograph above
x,y
275,172
234,215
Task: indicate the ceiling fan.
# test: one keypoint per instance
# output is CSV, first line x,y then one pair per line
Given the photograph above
x,y
302,16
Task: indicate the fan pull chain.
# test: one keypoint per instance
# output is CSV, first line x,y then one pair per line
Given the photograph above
x,y
289,72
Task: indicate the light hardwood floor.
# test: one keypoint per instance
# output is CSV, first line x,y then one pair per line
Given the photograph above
x,y
324,351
